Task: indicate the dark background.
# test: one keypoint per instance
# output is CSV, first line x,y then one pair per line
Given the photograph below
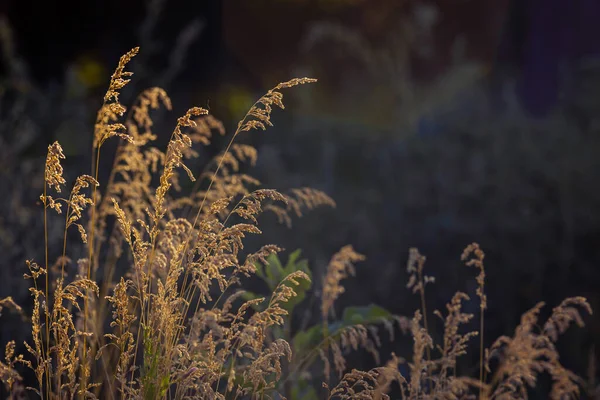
x,y
434,124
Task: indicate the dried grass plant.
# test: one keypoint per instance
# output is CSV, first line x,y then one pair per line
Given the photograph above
x,y
173,325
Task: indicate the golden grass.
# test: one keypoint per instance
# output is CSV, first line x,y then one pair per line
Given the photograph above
x,y
171,325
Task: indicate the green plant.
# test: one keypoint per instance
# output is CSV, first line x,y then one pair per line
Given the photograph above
x,y
312,344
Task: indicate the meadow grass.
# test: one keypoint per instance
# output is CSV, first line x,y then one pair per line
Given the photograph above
x,y
155,309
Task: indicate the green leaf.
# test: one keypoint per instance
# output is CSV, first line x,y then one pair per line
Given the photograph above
x,y
366,315
305,341
304,391
274,271
164,385
293,258
301,265
260,271
293,265
310,338
303,286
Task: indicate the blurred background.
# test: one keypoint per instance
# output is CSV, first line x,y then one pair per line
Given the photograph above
x,y
434,124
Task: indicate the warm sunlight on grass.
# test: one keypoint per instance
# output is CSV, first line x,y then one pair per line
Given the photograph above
x,y
155,310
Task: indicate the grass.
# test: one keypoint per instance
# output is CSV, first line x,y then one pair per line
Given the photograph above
x,y
155,310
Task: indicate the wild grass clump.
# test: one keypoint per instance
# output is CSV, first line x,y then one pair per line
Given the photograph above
x,y
154,310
